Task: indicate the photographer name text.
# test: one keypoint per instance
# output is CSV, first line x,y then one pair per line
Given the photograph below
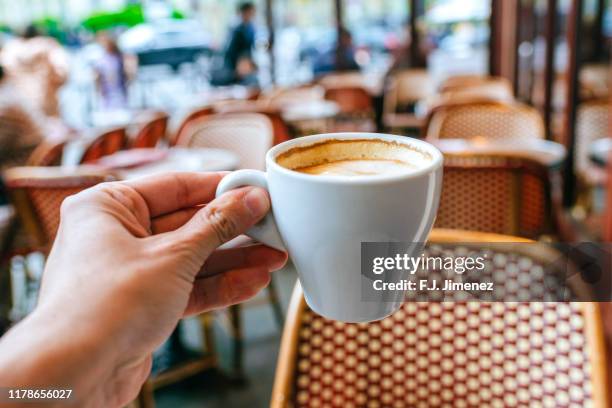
x,y
410,265
427,285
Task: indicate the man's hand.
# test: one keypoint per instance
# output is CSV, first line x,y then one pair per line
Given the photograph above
x,y
130,259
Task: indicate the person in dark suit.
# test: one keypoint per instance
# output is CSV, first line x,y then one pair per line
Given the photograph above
x,y
239,62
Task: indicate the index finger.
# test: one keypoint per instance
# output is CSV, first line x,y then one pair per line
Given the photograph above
x,y
174,191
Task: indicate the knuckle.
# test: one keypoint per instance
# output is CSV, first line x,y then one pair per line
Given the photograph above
x,y
123,194
221,221
68,204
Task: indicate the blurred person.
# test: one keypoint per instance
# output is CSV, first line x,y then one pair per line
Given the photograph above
x,y
38,66
403,58
20,132
239,64
22,128
111,74
134,257
339,58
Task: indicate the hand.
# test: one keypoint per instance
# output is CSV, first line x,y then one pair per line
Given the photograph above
x,y
130,259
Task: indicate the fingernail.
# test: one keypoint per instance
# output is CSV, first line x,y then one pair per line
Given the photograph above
x,y
257,202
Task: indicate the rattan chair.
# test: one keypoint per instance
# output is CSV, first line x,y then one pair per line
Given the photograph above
x,y
595,80
193,116
503,194
592,124
461,80
342,80
356,108
491,120
443,354
152,129
107,143
47,154
441,103
457,82
38,192
273,113
405,89
353,94
492,90
249,135
353,101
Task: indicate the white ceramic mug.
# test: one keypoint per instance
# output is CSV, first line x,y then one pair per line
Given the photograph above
x,y
321,221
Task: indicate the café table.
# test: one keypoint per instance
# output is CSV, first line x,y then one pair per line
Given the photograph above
x,y
310,117
135,163
217,94
549,153
310,110
600,150
372,82
112,118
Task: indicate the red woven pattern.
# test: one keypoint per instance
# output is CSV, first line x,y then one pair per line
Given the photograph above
x,y
592,124
447,355
104,145
476,200
492,121
47,154
497,194
151,133
532,205
46,203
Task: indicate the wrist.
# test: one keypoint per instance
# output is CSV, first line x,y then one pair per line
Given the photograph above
x,y
45,351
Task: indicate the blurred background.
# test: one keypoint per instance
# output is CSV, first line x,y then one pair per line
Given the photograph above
x,y
182,43
93,90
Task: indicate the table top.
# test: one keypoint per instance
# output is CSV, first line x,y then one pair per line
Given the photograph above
x,y
310,110
600,150
172,160
372,82
546,152
185,160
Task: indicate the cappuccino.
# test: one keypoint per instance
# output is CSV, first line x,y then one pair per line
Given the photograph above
x,y
353,158
362,167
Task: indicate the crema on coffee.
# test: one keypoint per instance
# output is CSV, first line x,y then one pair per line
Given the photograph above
x,y
354,157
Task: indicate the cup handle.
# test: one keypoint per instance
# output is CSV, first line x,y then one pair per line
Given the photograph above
x,y
265,231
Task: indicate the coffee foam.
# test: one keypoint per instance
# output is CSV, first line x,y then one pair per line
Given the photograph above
x,y
369,167
377,151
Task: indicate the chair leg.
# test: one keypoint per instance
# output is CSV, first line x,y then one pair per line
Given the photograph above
x,y
274,300
9,240
145,398
208,336
237,340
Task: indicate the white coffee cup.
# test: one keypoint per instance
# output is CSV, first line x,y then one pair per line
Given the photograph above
x,y
321,221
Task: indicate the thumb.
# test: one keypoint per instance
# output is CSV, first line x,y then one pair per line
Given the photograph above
x,y
223,219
